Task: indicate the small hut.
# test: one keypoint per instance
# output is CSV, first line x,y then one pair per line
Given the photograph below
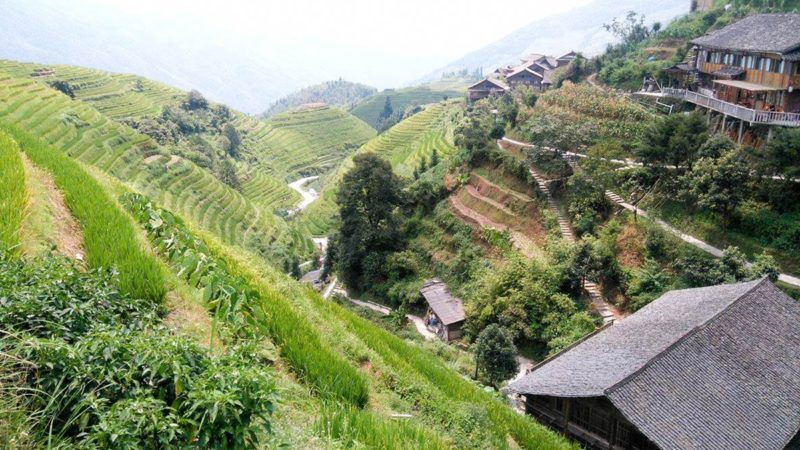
x,y
445,314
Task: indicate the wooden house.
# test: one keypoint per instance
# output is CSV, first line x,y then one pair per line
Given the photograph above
x,y
488,87
445,315
707,368
749,71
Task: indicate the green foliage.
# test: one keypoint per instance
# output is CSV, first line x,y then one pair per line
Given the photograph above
x,y
248,305
64,87
368,198
675,139
401,100
496,354
234,140
336,93
108,233
13,196
101,372
195,100
53,299
588,205
354,428
719,185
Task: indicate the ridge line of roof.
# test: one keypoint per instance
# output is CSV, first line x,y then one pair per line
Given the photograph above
x,y
696,329
570,347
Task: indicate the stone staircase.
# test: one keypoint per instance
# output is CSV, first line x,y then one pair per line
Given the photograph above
x,y
605,310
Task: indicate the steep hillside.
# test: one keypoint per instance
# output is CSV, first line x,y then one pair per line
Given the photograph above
x,y
579,29
370,110
299,371
334,93
403,145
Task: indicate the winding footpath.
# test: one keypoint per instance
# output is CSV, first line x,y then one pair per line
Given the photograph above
x,y
689,239
309,195
606,311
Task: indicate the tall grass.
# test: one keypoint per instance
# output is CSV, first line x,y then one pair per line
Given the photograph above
x,y
526,432
204,265
355,428
12,194
108,233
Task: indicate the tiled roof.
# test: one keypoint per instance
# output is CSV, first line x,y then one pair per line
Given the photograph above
x,y
707,368
770,33
449,309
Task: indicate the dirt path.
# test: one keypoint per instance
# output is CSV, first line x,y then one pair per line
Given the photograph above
x,y
48,222
309,195
523,243
605,309
689,239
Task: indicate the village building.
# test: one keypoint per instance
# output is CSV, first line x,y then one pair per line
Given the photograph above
x,y
535,71
748,71
707,368
445,315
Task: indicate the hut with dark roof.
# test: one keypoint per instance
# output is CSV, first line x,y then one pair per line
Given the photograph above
x,y
445,314
749,71
708,368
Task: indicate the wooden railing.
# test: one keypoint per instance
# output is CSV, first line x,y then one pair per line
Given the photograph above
x,y
737,111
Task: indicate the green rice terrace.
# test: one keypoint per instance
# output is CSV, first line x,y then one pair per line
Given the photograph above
x,y
370,109
193,340
402,145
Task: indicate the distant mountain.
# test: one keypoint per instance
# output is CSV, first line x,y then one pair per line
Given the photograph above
x,y
335,93
580,29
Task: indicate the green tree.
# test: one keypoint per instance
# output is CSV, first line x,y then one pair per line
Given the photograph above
x,y
296,273
387,109
495,354
227,174
195,100
368,198
435,158
234,140
675,140
64,87
718,184
423,165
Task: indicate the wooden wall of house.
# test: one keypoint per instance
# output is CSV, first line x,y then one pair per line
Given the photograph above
x,y
778,80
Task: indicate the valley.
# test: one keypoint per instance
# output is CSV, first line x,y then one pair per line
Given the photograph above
x,y
548,257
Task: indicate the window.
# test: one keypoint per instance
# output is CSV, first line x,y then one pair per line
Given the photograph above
x,y
779,67
591,417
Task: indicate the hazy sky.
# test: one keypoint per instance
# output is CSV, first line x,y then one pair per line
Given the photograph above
x,y
430,32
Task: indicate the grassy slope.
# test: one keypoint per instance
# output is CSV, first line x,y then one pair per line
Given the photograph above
x,y
89,136
403,145
13,198
371,108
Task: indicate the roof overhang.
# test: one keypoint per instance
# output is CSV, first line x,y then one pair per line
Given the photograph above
x,y
752,87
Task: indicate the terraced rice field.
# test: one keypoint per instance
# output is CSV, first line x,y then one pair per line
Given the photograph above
x,y
403,145
305,142
371,108
114,95
92,138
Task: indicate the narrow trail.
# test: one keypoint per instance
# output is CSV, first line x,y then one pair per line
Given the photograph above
x,y
48,221
309,195
606,311
702,245
419,324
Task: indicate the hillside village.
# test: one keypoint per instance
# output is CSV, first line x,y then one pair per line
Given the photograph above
x,y
581,251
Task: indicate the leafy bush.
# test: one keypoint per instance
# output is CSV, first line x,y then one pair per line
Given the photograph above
x,y
102,372
247,305
108,233
12,195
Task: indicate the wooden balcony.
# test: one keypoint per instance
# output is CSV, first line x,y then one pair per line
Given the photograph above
x,y
737,111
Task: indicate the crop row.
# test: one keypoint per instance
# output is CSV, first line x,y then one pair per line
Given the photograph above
x,y
108,234
12,195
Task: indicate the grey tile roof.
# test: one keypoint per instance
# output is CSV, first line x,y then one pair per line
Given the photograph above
x,y
491,80
449,309
770,33
608,357
708,368
733,384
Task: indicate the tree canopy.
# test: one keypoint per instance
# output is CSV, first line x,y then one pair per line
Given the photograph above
x,y
495,354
